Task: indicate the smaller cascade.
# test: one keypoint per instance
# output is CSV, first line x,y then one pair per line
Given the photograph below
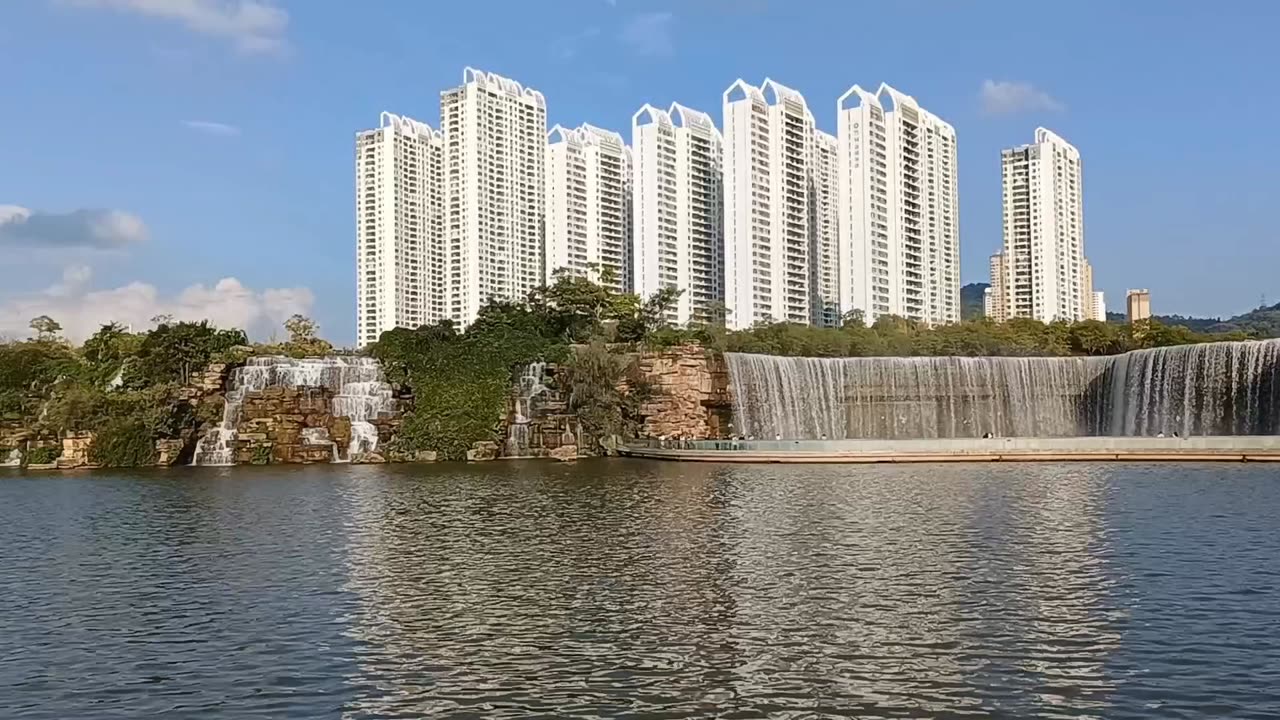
x,y
360,394
362,401
529,386
320,436
14,459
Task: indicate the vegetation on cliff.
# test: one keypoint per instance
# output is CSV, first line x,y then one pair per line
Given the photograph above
x,y
892,336
127,388
461,380
122,386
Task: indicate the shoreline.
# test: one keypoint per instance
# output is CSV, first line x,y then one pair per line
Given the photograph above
x,y
972,450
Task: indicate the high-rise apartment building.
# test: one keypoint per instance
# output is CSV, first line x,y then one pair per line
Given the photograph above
x,y
588,214
1095,305
768,140
899,218
992,306
495,133
677,209
400,251
1044,266
1139,305
824,223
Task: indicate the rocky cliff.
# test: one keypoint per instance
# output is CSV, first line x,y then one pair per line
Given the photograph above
x,y
688,394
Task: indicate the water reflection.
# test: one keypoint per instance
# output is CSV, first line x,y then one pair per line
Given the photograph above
x,y
643,590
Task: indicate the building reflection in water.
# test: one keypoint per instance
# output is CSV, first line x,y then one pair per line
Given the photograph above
x,y
618,587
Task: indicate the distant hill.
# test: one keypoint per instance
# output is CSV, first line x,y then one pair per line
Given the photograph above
x,y
971,300
1263,322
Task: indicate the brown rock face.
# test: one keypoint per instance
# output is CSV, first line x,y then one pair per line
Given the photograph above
x,y
168,452
565,453
483,452
689,394
75,450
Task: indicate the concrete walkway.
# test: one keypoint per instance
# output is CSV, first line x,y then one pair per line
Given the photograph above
x,y
1081,449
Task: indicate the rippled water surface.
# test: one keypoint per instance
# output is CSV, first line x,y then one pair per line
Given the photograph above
x,y
636,590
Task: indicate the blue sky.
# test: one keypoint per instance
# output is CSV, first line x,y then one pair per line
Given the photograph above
x,y
161,146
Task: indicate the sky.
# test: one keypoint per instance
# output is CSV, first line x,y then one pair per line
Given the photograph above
x,y
194,158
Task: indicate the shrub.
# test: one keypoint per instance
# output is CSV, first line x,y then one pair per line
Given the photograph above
x,y
260,455
123,442
42,455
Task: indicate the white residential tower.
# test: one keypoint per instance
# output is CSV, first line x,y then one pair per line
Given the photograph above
x,y
588,215
400,252
768,149
899,219
824,230
1045,275
678,239
495,133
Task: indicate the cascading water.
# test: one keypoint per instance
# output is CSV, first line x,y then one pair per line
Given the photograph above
x,y
13,459
1211,389
1216,388
360,394
529,386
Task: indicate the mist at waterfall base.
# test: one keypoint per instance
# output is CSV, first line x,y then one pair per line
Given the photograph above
x,y
360,393
1208,389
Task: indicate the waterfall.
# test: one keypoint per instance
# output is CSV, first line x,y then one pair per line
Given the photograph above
x,y
1217,388
14,459
529,385
1230,388
360,394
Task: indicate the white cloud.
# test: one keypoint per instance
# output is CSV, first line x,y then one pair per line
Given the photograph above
x,y
254,26
94,229
212,128
649,34
1002,97
81,311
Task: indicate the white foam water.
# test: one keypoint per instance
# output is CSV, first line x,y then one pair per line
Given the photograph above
x,y
361,394
1209,389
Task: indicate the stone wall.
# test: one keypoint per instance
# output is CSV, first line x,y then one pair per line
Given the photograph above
x,y
543,427
688,394
273,421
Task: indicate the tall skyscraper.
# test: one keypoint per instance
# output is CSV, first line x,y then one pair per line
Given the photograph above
x,y
1043,259
824,224
899,217
677,210
495,134
400,252
769,136
588,216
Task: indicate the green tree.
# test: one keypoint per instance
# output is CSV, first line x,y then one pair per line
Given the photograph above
x,y
46,328
172,352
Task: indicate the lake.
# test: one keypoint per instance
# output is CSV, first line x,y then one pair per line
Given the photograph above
x,y
632,589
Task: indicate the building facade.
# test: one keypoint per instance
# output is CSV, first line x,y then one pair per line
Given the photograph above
x,y
768,149
899,220
588,206
400,218
992,304
824,230
495,134
1095,304
1138,304
677,210
1044,265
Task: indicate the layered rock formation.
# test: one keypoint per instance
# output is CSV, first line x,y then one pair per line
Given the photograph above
x,y
688,394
